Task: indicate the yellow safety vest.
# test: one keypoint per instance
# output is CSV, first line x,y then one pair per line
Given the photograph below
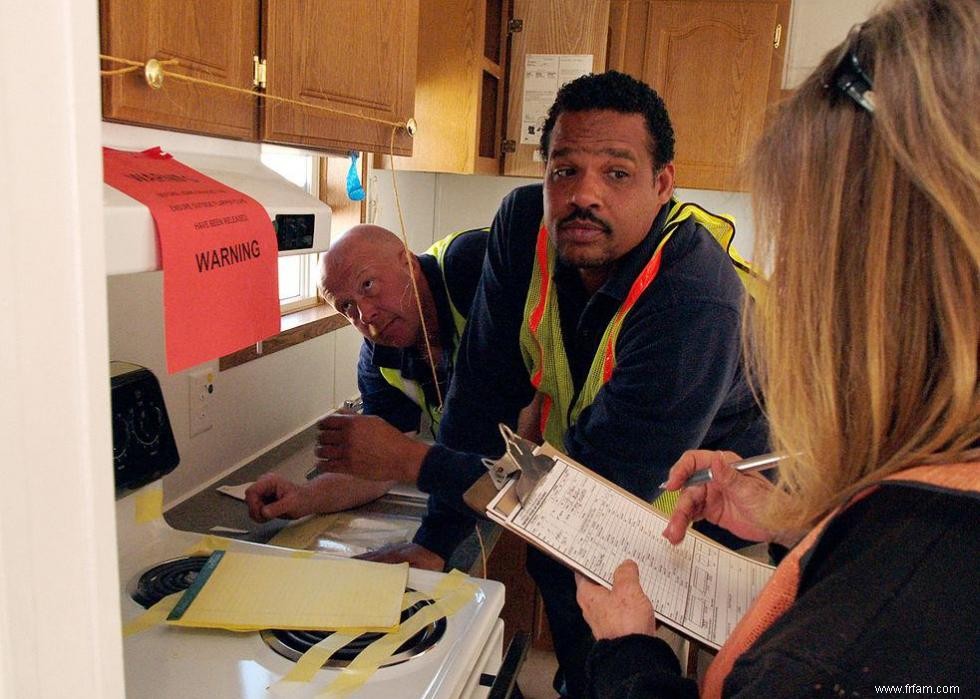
x,y
541,339
410,388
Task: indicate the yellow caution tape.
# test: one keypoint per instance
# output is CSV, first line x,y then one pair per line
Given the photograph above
x,y
451,595
208,544
152,616
313,659
149,505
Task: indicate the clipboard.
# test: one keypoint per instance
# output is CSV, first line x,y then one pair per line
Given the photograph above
x,y
699,588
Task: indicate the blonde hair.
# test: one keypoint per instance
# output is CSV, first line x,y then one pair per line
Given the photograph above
x,y
866,342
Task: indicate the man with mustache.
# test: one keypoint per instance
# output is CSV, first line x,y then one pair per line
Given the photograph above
x,y
615,305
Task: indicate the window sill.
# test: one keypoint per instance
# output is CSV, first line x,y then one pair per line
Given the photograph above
x,y
295,328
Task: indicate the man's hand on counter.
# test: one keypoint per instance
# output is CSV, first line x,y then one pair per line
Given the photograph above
x,y
367,447
273,496
416,556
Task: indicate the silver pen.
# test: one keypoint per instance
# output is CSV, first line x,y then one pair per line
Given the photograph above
x,y
763,462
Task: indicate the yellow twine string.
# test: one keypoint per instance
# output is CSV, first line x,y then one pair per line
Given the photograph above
x,y
118,71
411,274
136,65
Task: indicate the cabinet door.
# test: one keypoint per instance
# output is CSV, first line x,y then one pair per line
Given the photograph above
x,y
213,40
459,91
717,65
548,27
352,56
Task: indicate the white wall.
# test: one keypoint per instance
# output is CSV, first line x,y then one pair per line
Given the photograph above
x,y
816,26
435,205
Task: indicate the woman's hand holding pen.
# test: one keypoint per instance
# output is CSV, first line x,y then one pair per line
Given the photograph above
x,y
730,499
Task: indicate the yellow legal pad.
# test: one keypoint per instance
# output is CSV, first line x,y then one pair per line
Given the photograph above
x,y
247,592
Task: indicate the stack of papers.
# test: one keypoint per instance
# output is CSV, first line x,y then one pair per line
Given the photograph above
x,y
248,592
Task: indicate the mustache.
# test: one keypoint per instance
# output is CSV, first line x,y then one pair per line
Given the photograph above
x,y
584,215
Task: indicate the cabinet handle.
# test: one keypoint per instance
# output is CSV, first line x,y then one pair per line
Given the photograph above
x,y
777,36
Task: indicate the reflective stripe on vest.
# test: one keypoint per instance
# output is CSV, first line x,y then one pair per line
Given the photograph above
x,y
412,389
779,594
414,392
542,344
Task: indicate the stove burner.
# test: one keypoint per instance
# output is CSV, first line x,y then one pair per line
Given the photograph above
x,y
166,578
293,644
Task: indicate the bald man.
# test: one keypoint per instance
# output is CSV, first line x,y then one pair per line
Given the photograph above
x,y
367,275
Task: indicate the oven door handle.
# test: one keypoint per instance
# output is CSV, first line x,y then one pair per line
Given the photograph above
x,y
505,682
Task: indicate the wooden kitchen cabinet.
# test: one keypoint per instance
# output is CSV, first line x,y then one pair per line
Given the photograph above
x,y
212,40
354,56
718,65
459,93
548,27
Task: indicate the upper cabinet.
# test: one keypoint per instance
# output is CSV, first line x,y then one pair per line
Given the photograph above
x,y
188,32
347,58
717,65
459,94
354,56
468,105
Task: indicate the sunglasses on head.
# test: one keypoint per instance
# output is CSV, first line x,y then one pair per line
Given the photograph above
x,y
848,78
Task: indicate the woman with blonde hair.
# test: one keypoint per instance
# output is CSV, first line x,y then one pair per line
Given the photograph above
x,y
867,193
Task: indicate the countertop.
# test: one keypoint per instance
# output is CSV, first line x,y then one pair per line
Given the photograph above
x,y
211,512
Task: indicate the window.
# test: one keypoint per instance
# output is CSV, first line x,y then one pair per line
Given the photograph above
x,y
304,315
297,273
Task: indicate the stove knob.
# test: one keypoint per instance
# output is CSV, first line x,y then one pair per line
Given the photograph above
x,y
149,420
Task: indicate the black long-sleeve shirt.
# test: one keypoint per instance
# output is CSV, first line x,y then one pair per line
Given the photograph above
x,y
678,382
889,596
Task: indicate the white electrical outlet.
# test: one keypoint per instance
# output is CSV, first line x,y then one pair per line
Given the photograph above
x,y
200,388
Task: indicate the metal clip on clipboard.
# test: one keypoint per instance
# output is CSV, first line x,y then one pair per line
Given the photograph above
x,y
518,463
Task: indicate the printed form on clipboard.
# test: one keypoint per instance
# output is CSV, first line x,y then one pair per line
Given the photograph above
x,y
698,587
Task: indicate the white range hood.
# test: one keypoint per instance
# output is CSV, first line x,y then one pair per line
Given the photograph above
x,y
302,221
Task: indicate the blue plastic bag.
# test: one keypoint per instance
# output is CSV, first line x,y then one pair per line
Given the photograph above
x,y
355,192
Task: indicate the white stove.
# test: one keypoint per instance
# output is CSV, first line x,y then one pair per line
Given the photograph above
x,y
163,662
